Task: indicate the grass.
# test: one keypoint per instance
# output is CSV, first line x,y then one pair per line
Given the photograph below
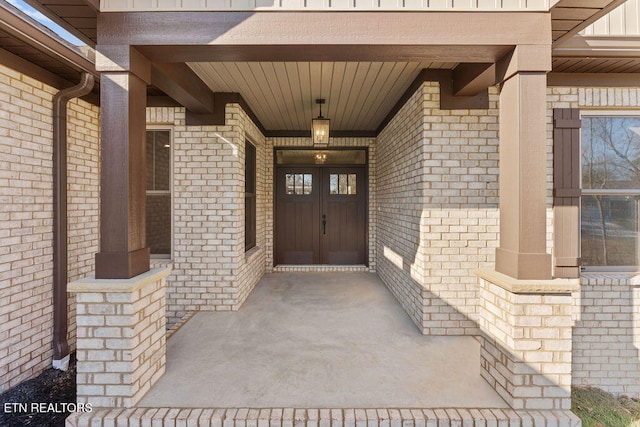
x,y
597,408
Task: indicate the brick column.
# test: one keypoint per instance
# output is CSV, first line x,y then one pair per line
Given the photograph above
x,y
526,338
121,337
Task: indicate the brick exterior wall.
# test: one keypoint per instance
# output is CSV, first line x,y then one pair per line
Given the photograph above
x,y
211,270
437,192
605,333
26,212
606,342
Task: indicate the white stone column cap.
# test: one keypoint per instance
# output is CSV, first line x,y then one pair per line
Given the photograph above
x,y
516,286
91,284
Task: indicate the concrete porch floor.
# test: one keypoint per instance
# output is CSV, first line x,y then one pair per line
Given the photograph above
x,y
318,340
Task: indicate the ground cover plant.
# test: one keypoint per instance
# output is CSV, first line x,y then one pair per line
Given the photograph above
x,y
597,408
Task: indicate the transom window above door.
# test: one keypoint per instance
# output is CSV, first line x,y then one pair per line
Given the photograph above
x,y
320,157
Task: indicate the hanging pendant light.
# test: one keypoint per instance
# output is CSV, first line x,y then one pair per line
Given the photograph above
x,y
320,127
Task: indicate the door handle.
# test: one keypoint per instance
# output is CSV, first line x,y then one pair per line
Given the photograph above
x,y
324,224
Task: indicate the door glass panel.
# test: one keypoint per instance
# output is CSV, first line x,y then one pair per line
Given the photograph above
x,y
333,184
298,183
351,189
290,184
308,182
342,183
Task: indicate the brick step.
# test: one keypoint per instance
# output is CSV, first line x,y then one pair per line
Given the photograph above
x,y
320,269
279,417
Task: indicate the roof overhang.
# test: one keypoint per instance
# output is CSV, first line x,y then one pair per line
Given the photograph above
x,y
569,17
31,48
180,44
79,17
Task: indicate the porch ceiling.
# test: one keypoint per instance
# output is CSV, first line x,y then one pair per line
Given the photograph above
x,y
598,54
596,65
282,94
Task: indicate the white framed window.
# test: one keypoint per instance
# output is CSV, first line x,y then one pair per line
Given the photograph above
x,y
159,213
610,202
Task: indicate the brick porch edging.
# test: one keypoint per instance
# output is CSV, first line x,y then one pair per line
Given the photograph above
x,y
175,328
321,269
190,417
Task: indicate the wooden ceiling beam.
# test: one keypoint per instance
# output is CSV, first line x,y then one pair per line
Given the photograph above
x,y
323,53
218,116
472,79
328,28
184,86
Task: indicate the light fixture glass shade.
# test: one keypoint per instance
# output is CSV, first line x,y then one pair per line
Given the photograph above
x,y
320,131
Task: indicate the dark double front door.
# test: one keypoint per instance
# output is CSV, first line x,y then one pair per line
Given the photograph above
x,y
320,215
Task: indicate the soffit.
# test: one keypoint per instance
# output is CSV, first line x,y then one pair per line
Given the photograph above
x,y
282,94
25,41
568,17
596,65
28,52
610,45
79,17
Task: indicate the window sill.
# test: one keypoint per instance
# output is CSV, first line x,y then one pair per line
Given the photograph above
x,y
610,278
161,262
251,252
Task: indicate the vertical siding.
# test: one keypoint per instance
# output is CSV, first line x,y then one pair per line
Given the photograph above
x,y
406,5
622,21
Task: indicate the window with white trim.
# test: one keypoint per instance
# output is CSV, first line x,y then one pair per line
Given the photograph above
x,y
610,190
158,215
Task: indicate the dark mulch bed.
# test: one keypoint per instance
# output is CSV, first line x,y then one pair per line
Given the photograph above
x,y
47,398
